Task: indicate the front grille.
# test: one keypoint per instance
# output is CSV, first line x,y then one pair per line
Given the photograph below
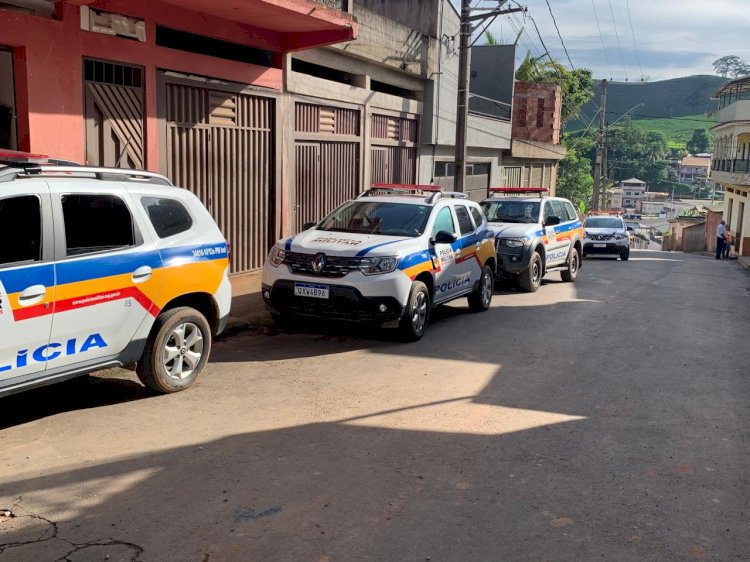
x,y
602,236
336,266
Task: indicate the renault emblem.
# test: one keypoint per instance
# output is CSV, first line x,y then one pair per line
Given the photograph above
x,y
318,262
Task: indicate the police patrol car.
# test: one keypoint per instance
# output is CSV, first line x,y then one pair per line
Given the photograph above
x,y
534,235
388,256
101,268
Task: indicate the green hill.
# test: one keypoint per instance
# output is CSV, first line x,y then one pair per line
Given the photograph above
x,y
679,97
675,107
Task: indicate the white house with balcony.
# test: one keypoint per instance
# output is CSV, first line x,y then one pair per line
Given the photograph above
x,y
731,164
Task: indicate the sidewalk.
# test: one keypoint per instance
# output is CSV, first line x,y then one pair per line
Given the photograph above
x,y
248,310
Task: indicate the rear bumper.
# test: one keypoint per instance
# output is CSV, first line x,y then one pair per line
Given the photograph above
x,y
343,303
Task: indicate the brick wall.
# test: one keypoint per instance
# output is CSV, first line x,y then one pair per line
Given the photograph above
x,y
536,112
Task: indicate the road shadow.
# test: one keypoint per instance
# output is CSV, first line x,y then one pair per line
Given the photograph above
x,y
92,391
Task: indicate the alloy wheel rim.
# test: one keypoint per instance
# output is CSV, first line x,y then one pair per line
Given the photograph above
x,y
574,264
535,273
486,289
183,351
419,312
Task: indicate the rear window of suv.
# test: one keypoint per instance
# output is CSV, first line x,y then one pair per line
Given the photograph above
x,y
168,216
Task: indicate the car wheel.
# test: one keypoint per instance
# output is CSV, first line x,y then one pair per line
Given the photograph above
x,y
571,272
531,279
481,298
176,351
414,321
625,255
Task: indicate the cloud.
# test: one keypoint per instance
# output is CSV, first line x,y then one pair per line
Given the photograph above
x,y
672,37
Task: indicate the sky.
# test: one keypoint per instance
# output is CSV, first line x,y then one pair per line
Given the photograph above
x,y
667,39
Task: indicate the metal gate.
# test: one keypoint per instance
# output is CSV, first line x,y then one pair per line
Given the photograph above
x,y
327,175
393,154
114,114
327,172
220,146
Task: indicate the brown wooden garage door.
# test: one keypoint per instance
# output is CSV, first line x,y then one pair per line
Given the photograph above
x,y
220,145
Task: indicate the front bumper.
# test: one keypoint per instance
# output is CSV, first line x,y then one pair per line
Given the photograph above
x,y
343,303
605,246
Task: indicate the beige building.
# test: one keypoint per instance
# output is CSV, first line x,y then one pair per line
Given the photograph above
x,y
694,169
633,192
731,164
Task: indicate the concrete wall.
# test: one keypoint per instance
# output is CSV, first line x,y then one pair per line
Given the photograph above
x,y
737,111
7,102
421,15
388,42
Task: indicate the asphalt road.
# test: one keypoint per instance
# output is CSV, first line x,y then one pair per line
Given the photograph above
x,y
606,419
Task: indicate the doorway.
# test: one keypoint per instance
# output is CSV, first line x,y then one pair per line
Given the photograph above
x,y
8,131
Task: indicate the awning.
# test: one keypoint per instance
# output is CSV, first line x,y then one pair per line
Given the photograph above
x,y
296,24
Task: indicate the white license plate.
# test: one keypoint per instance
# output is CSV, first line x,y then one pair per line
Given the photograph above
x,y
314,291
600,245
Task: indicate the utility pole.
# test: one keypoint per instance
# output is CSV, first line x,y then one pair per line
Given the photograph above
x,y
600,142
462,103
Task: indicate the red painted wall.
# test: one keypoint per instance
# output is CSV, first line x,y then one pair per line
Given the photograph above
x,y
48,56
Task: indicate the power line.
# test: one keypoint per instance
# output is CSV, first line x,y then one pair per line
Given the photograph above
x,y
604,49
546,50
635,46
617,36
560,35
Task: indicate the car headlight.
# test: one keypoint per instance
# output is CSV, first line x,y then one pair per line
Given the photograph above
x,y
276,256
587,234
620,236
375,266
514,242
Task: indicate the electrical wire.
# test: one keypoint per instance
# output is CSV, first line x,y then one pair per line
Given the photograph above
x,y
635,46
617,36
601,36
560,35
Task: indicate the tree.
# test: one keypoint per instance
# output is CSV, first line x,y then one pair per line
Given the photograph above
x,y
732,66
491,40
700,142
574,179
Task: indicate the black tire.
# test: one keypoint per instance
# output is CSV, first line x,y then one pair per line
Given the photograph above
x,y
481,298
162,374
625,255
570,273
531,278
414,321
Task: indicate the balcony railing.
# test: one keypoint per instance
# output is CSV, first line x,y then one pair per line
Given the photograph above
x,y
735,165
486,107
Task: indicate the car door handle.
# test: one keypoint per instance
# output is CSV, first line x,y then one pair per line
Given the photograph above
x,y
32,295
142,274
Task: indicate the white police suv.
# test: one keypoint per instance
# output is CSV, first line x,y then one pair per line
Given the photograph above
x,y
102,268
534,235
388,256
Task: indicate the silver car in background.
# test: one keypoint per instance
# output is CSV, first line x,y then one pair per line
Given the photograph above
x,y
606,235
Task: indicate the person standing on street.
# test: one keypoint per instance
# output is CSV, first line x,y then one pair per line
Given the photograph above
x,y
721,234
727,242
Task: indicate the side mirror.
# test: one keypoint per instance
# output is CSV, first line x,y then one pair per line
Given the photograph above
x,y
308,225
631,229
444,237
552,221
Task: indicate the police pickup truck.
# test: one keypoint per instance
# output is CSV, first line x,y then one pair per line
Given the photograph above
x,y
534,234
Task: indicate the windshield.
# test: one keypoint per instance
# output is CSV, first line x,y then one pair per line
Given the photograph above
x,y
372,217
511,211
603,222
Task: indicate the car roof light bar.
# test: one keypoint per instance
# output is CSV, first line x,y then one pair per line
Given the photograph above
x,y
519,190
402,189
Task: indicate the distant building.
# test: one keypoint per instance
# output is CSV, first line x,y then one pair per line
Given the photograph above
x,y
694,170
615,198
731,164
633,192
